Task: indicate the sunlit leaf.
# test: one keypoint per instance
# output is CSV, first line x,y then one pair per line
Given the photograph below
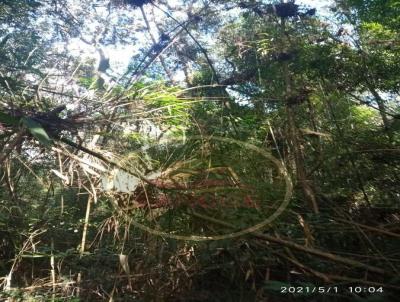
x,y
37,131
60,175
123,260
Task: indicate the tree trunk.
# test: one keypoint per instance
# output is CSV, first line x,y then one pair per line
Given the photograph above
x,y
382,108
306,185
293,135
153,39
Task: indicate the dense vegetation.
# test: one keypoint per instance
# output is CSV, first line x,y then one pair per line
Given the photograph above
x,y
199,150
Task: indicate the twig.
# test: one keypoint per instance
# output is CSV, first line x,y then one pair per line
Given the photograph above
x,y
18,139
308,250
202,49
318,274
371,228
161,58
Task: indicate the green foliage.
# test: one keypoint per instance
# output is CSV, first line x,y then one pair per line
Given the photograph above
x,y
88,82
322,101
37,131
385,12
8,119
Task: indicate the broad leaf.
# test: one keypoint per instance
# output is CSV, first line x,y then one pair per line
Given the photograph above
x,y
37,131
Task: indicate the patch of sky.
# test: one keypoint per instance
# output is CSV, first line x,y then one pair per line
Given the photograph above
x,y
121,54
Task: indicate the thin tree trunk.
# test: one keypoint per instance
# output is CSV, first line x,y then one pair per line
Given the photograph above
x,y
294,143
153,39
382,109
305,184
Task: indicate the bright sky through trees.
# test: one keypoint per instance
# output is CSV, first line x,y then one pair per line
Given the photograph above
x,y
120,55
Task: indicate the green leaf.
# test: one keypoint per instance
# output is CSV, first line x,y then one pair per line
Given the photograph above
x,y
37,131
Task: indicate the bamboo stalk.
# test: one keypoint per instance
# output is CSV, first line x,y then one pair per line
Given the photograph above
x,y
52,271
85,225
308,250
